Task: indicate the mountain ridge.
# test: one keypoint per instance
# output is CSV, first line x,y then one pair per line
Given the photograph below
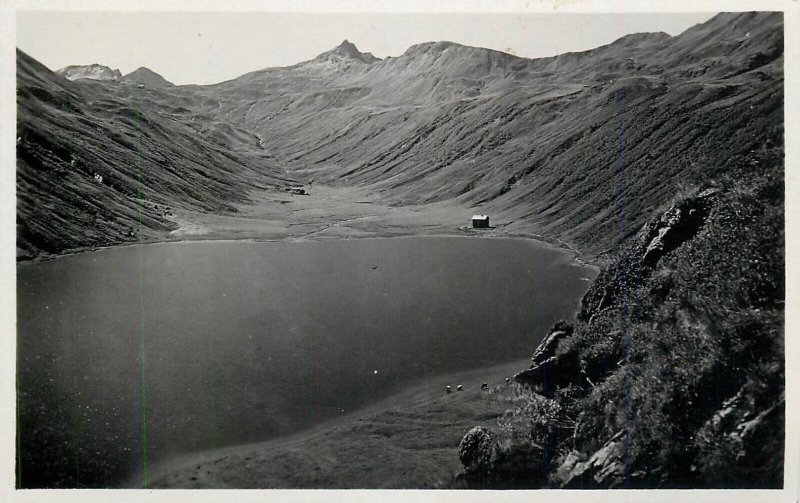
x,y
503,133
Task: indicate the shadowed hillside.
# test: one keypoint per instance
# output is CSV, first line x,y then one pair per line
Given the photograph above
x,y
102,163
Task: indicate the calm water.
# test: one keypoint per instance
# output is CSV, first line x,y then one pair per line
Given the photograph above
x,y
131,355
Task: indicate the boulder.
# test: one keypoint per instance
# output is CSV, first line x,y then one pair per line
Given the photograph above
x,y
488,466
478,451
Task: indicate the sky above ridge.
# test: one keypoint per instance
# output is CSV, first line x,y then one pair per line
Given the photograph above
x,y
204,48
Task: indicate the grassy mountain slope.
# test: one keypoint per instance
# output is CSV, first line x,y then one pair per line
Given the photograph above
x,y
150,159
554,146
539,141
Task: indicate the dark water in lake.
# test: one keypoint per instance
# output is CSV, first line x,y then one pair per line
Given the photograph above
x,y
131,355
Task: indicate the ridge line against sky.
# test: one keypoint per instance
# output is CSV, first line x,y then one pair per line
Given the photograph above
x,y
207,48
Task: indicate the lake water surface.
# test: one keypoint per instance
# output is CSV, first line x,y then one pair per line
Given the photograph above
x,y
132,355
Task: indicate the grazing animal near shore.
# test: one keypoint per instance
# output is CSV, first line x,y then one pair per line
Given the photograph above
x,y
460,387
448,390
485,386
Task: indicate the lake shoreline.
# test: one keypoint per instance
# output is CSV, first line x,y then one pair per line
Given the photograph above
x,y
265,219
576,255
214,468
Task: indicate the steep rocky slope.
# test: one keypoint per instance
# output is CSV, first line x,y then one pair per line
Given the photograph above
x,y
673,375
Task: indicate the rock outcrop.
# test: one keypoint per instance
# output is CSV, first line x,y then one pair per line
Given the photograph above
x,y
736,445
676,226
550,369
606,468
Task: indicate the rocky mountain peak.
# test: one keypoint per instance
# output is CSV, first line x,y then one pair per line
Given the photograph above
x,y
94,71
347,51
